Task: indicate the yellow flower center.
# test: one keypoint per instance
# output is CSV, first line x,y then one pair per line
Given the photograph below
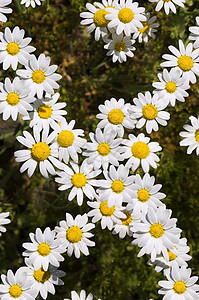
x,y
170,87
156,230
15,291
41,275
79,180
45,111
99,18
74,234
43,249
185,63
150,112
143,195
105,210
140,150
125,15
179,287
104,149
65,138
120,46
145,28
117,186
128,219
172,256
13,99
166,0
38,76
40,151
115,116
197,135
13,48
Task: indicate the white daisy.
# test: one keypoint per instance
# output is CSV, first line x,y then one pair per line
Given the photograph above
x,y
172,86
4,10
14,99
125,16
185,59
117,187
103,149
14,48
147,30
179,285
47,113
195,34
74,235
139,150
40,152
82,296
4,221
79,179
168,5
114,115
120,47
44,250
157,233
31,2
108,216
149,108
191,136
40,76
16,286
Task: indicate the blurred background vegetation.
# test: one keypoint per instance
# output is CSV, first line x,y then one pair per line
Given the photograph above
x,y
112,271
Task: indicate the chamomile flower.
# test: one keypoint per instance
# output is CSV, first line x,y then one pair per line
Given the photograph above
x,y
74,234
125,17
14,99
117,186
148,29
149,108
191,135
39,76
79,179
44,250
120,47
40,152
108,216
156,233
171,87
103,149
82,296
46,113
114,115
185,59
4,10
31,2
4,221
139,150
168,5
179,285
195,34
14,48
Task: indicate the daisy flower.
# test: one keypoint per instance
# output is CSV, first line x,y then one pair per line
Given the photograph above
x,y
117,187
156,233
150,111
47,113
114,115
16,286
82,296
139,150
14,48
108,216
44,250
31,2
171,87
168,5
185,59
14,99
191,135
39,76
195,34
179,284
4,221
125,16
103,149
39,152
80,179
4,10
120,47
74,235
147,30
